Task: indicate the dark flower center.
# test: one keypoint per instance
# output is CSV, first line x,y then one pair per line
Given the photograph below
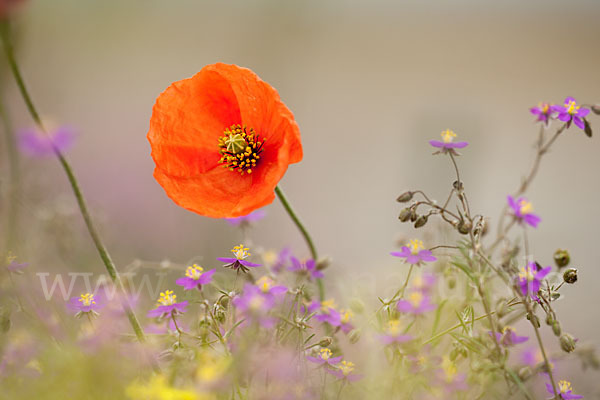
x,y
240,149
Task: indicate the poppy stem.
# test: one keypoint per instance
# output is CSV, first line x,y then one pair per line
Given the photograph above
x,y
304,232
104,255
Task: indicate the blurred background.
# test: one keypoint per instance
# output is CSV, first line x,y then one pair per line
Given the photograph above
x,y
369,83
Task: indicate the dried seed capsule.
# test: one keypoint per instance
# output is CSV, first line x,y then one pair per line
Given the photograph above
x,y
556,328
464,227
570,275
561,258
354,336
405,215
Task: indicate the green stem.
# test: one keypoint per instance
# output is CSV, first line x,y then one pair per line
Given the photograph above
x,y
14,186
108,263
304,232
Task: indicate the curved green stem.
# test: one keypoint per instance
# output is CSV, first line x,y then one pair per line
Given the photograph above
x,y
313,251
108,263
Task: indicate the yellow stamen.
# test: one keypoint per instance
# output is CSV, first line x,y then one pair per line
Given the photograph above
x,y
240,149
449,369
240,252
325,354
346,367
415,245
194,272
572,107
564,386
448,136
394,327
415,298
525,207
87,299
167,298
265,284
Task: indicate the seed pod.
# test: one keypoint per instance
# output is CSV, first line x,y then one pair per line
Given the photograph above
x,y
405,215
422,220
323,262
561,258
556,328
325,341
404,197
567,342
534,320
525,373
570,275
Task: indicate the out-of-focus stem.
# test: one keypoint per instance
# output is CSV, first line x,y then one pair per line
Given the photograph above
x,y
14,183
104,255
311,246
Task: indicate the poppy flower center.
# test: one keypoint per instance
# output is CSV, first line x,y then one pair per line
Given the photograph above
x,y
240,148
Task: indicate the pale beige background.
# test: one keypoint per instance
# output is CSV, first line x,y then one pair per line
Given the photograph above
x,y
369,82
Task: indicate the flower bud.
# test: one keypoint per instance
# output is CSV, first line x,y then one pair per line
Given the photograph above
x,y
421,221
556,328
357,306
354,336
534,320
405,215
596,109
567,342
525,373
404,197
570,275
323,262
325,341
561,258
413,215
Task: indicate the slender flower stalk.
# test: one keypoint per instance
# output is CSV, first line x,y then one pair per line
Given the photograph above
x,y
104,255
304,232
14,185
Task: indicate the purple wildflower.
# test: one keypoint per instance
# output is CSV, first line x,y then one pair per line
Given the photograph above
x,y
326,312
414,253
324,357
276,261
571,112
523,211
424,282
167,305
530,277
508,337
564,389
247,220
344,371
239,261
394,333
268,287
255,304
12,265
532,357
195,277
543,111
447,144
308,268
449,377
39,144
345,321
417,303
84,304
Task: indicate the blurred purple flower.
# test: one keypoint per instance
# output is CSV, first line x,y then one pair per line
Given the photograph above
x,y
414,253
38,144
239,261
523,211
167,306
86,303
571,112
394,333
195,277
344,371
269,288
424,282
326,312
247,220
564,389
308,268
508,337
449,377
12,264
447,143
254,304
324,357
530,277
277,261
417,303
543,112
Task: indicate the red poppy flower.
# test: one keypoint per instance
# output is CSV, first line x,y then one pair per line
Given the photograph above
x,y
221,141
